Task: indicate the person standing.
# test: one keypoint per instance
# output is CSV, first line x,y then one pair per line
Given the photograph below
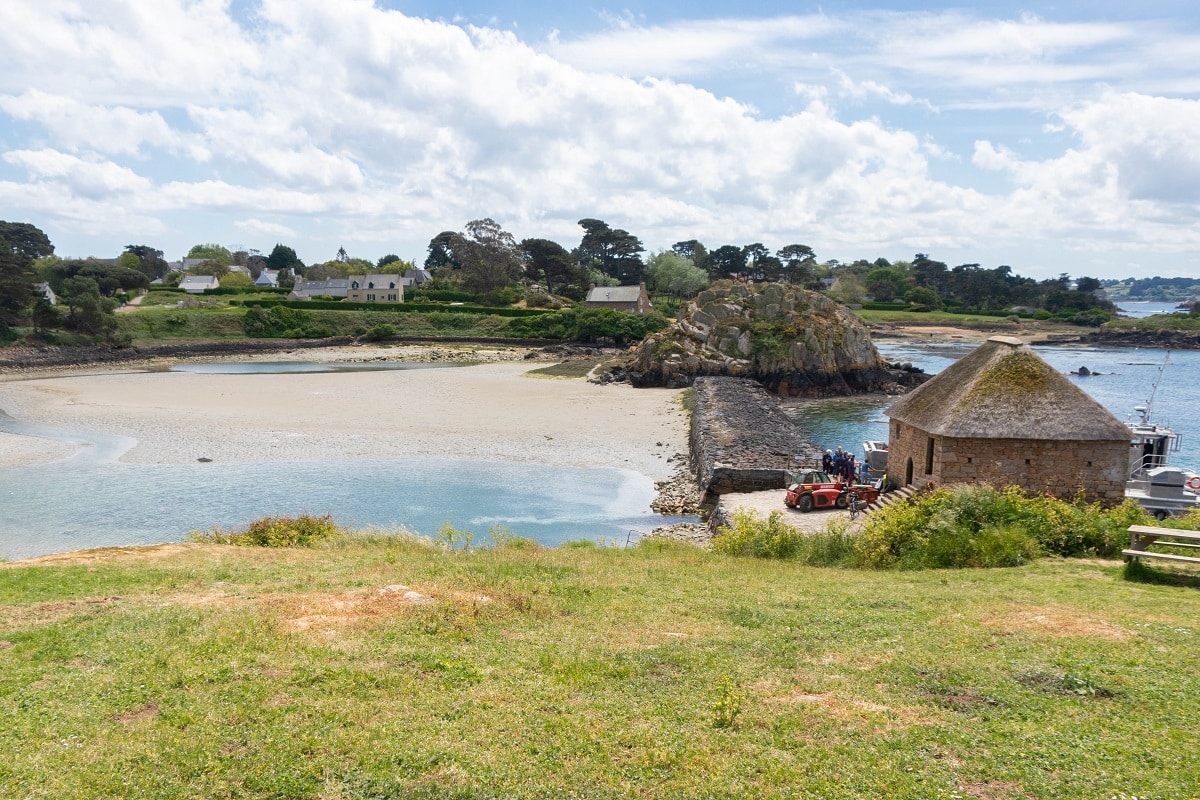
x,y
827,462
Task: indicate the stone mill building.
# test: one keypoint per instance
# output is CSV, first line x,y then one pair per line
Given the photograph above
x,y
1003,416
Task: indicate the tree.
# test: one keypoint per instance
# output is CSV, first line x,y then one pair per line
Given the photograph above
x,y
693,250
615,250
887,283
20,244
922,298
549,263
150,261
930,274
212,252
87,311
489,256
727,261
109,279
674,274
441,252
237,280
390,258
283,258
798,261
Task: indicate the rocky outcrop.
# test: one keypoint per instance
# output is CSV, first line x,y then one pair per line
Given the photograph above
x,y
741,441
1144,337
792,341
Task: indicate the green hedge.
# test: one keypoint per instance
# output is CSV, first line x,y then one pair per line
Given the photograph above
x,y
247,290
398,308
442,296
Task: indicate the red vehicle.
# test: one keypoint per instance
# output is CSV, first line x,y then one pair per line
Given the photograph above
x,y
815,489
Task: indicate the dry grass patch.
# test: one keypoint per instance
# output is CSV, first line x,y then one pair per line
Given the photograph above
x,y
1053,622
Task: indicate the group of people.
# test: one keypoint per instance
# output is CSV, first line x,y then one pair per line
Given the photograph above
x,y
839,464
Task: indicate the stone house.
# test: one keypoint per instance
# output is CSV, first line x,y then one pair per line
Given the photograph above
x,y
376,288
1003,416
306,290
619,298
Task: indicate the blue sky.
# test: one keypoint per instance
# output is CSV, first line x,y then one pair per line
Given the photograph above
x,y
1053,138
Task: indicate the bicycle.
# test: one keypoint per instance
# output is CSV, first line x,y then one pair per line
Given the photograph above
x,y
855,505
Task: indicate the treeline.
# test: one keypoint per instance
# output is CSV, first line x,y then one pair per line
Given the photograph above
x,y
1156,289
925,284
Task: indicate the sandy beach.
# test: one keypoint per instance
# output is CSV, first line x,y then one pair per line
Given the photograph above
x,y
490,411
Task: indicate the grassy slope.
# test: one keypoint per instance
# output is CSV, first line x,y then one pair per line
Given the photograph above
x,y
227,672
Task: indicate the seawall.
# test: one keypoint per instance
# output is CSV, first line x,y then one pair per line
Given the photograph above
x,y
740,439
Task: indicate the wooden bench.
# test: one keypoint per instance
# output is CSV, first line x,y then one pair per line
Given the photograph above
x,y
1142,537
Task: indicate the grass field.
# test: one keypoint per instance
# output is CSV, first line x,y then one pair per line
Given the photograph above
x,y
655,671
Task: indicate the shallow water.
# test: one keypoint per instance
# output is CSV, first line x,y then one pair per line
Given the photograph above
x,y
85,502
93,500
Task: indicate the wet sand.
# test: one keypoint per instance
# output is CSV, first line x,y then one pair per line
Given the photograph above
x,y
490,411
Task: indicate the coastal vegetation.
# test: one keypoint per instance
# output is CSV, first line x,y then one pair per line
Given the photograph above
x,y
485,266
384,666
948,527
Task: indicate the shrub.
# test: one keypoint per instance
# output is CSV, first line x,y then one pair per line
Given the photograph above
x,y
301,531
979,526
378,332
750,535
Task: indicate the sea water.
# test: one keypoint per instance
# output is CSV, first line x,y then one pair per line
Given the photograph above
x,y
1123,379
94,500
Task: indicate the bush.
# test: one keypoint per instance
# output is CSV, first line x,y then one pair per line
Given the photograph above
x,y
749,535
302,531
379,332
979,526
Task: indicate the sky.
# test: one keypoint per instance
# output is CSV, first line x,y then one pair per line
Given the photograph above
x,y
1053,138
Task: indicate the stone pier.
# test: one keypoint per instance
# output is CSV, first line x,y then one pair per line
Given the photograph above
x,y
741,441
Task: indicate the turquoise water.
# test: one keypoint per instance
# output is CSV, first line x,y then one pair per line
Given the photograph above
x,y
93,500
1128,379
85,502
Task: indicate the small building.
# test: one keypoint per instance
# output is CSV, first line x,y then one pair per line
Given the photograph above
x,y
376,288
198,284
307,290
619,298
1003,416
416,277
267,279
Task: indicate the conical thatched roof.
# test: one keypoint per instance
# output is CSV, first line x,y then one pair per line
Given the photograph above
x,y
1004,390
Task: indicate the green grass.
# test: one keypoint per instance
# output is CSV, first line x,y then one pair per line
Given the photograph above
x,y
934,318
1169,322
221,321
572,368
657,671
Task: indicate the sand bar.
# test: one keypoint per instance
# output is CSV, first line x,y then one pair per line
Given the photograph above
x,y
490,411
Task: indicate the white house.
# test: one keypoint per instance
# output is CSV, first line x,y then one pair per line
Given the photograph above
x,y
198,284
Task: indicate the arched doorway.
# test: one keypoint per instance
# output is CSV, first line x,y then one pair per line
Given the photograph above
x,y
908,470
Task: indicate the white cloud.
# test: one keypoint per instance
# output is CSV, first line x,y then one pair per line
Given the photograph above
x,y
82,126
92,178
321,121
263,227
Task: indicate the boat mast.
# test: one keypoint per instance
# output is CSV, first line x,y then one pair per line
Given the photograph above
x,y
1154,389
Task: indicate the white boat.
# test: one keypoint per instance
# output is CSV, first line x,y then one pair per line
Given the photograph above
x,y
1162,489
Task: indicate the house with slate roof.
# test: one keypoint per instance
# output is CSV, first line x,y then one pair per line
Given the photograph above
x,y
376,288
197,284
1003,416
268,278
619,298
307,290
